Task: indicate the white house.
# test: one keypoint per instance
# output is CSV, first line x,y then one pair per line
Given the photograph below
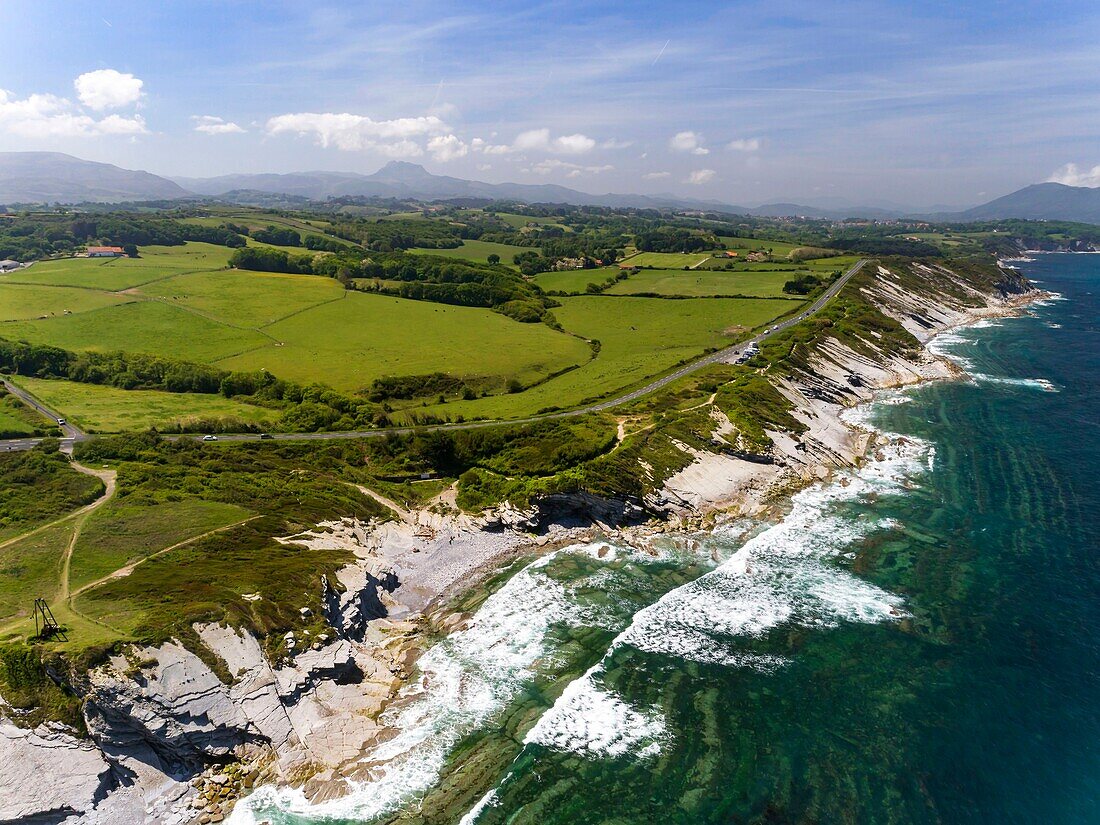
x,y
105,252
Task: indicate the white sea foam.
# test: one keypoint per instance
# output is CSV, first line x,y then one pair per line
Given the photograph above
x,y
1030,383
590,720
783,575
489,800
465,679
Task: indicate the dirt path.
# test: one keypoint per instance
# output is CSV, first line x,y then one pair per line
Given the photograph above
x,y
108,478
405,515
127,569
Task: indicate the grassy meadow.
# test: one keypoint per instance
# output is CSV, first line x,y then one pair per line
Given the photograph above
x,y
667,260
348,343
26,302
245,299
151,327
477,251
100,409
700,282
121,533
639,338
574,281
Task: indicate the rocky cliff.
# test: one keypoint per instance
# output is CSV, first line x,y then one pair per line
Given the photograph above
x,y
177,738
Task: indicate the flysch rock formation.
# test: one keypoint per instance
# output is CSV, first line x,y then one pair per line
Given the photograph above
x,y
171,742
838,377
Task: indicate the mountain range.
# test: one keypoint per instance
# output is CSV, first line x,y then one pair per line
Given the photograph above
x,y
52,177
49,177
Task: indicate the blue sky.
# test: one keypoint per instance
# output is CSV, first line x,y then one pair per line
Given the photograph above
x,y
911,103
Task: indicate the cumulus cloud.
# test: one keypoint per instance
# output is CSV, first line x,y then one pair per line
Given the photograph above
x,y
656,175
351,133
1072,175
539,140
571,170
108,89
688,142
46,116
701,176
612,143
744,145
481,145
210,125
447,147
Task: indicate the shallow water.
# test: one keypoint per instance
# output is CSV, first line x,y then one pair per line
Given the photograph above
x,y
918,643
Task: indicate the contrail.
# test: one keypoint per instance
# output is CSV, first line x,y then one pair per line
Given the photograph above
x,y
661,52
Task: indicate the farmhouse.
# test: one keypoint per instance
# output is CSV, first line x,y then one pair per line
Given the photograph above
x,y
105,252
8,266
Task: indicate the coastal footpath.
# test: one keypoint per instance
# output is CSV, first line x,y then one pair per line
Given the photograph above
x,y
179,731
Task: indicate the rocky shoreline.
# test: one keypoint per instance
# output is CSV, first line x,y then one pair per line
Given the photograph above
x,y
172,742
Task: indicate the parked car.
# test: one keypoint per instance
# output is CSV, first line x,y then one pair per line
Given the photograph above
x,y
209,438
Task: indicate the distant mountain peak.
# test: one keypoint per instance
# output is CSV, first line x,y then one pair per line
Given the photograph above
x,y
402,170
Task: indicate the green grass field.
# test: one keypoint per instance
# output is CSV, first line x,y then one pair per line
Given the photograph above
x,y
477,251
699,282
640,337
247,299
778,248
101,409
13,425
18,420
120,533
520,221
143,326
574,281
349,343
667,260
29,570
25,302
113,274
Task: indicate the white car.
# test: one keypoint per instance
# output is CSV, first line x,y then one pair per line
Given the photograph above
x,y
61,422
209,438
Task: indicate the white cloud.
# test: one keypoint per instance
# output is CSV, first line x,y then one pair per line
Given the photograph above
x,y
210,125
119,125
572,170
46,116
612,143
1071,175
447,147
480,145
360,133
688,142
539,140
107,89
656,175
701,176
744,145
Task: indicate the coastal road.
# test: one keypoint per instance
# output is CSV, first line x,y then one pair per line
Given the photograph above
x,y
70,433
723,356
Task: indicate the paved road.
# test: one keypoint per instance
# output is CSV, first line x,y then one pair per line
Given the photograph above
x,y
70,434
727,355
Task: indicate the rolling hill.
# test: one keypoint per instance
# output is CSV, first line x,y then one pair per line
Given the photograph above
x,y
1041,201
48,177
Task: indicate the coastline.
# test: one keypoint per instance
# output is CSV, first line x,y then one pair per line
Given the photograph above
x,y
320,714
754,492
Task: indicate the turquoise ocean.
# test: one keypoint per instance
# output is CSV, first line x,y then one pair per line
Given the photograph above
x,y
917,640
